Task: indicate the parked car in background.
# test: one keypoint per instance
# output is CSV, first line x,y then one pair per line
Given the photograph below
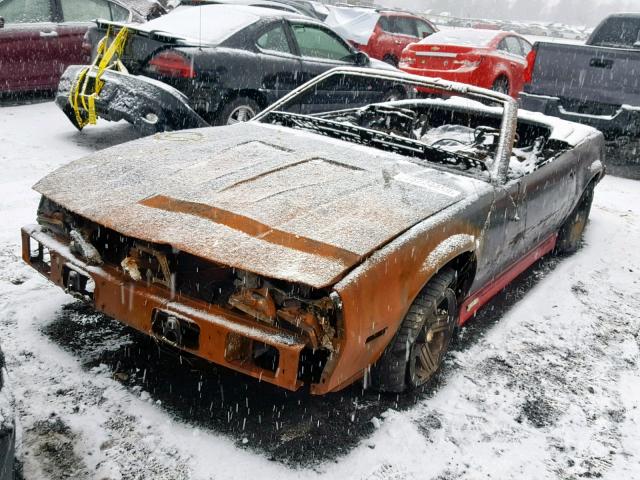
x,y
596,83
320,246
243,59
485,58
301,7
486,25
7,426
381,34
39,39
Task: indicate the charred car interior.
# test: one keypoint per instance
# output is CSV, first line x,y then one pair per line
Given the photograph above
x,y
319,245
435,131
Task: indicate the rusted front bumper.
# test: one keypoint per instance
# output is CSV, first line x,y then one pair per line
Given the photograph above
x,y
222,334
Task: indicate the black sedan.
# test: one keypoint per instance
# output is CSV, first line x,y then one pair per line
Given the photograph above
x,y
211,64
7,428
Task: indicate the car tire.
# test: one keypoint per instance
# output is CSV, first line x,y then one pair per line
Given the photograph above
x,y
570,234
394,95
239,109
391,60
501,85
150,123
415,354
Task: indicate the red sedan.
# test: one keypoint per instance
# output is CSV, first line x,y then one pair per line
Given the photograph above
x,y
485,58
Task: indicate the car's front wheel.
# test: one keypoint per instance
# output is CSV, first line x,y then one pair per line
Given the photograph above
x,y
415,354
240,109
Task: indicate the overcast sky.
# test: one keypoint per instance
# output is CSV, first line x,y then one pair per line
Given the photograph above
x,y
577,12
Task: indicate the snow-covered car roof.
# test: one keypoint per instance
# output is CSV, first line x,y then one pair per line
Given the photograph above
x,y
209,24
462,36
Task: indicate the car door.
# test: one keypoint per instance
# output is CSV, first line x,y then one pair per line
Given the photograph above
x,y
280,66
320,49
404,30
28,45
547,195
503,241
76,16
382,43
516,62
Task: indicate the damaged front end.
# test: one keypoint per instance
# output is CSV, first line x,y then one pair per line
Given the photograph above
x,y
149,105
270,329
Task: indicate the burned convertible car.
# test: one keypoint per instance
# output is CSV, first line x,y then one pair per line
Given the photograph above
x,y
319,249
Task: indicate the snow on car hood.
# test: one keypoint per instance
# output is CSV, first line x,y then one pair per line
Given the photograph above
x,y
282,203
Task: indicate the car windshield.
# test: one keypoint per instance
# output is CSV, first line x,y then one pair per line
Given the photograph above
x,y
210,24
463,37
447,127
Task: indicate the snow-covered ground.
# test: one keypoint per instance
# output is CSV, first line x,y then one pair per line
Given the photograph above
x,y
544,383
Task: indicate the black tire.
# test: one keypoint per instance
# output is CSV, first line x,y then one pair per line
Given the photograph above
x,y
501,85
415,354
151,123
391,60
570,234
239,109
394,95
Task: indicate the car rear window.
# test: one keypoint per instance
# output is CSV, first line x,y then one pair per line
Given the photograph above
x,y
462,37
210,24
618,32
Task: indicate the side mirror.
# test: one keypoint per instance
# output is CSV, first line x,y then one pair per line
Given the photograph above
x,y
1,22
361,59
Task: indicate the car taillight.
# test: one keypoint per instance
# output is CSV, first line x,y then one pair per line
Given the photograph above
x,y
468,61
407,60
531,61
171,64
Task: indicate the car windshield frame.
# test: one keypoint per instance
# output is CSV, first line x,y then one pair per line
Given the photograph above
x,y
498,170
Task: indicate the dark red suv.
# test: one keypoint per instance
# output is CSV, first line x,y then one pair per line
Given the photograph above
x,y
39,39
393,32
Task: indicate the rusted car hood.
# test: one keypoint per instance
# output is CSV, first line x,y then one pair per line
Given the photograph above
x,y
278,202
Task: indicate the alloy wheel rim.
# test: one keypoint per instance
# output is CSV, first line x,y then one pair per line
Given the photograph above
x,y
431,344
243,113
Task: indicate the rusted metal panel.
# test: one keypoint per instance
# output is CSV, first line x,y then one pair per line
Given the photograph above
x,y
134,304
251,201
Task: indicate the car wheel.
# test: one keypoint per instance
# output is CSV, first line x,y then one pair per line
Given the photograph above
x,y
415,354
394,94
501,85
570,234
240,109
152,122
391,60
